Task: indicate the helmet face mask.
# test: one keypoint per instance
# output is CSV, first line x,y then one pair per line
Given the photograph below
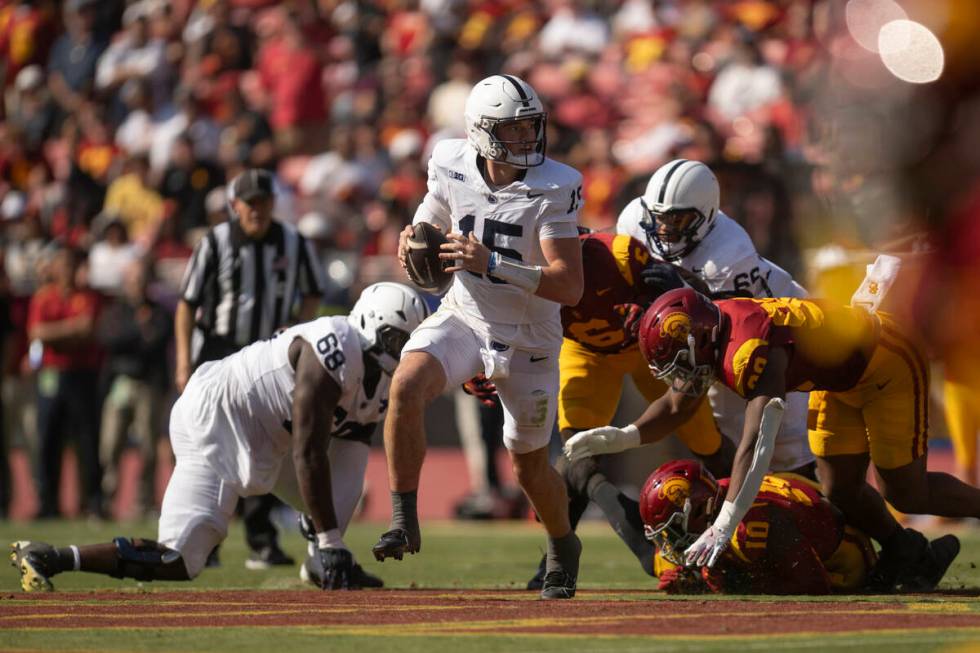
x,y
676,505
500,104
384,316
683,374
680,205
674,232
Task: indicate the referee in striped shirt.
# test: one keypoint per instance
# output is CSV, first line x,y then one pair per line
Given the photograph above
x,y
240,286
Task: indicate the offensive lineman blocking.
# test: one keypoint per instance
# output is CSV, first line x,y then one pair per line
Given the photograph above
x,y
511,217
318,385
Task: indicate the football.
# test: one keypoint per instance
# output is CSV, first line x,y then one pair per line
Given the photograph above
x,y
425,269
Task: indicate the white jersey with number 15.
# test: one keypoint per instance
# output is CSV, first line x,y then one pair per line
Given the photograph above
x,y
512,221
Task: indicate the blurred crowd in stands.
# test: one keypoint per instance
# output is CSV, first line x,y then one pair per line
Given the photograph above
x,y
122,122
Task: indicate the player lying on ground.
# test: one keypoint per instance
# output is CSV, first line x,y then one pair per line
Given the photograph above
x,y
868,385
315,388
510,217
791,541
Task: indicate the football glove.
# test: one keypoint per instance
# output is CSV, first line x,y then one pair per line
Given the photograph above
x,y
707,548
632,314
602,440
482,388
338,567
661,277
682,580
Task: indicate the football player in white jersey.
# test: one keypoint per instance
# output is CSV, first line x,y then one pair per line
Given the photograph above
x,y
511,216
679,219
311,393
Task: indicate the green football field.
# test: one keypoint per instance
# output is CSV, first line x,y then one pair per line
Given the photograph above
x,y
463,592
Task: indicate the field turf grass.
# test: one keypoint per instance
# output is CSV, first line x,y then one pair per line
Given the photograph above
x,y
463,592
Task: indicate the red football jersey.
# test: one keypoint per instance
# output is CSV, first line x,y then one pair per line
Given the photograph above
x,y
779,545
830,346
612,264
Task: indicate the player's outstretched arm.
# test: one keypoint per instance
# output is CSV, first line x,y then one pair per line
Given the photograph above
x,y
660,419
763,415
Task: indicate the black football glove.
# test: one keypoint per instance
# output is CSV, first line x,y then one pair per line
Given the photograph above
x,y
338,568
661,277
482,388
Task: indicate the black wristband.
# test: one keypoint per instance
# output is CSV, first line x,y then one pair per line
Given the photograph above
x,y
404,510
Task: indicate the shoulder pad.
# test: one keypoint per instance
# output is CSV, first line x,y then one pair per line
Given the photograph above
x,y
449,152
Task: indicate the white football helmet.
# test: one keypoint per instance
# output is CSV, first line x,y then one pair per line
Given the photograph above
x,y
681,203
385,315
498,100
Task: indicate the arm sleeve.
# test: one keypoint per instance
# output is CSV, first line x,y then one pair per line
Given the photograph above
x,y
309,276
434,208
198,269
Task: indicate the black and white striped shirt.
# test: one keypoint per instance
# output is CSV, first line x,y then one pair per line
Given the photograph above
x,y
244,289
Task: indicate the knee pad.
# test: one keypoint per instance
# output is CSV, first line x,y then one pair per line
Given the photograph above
x,y
140,559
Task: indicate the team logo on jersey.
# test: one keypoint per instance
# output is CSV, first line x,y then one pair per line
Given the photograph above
x,y
676,490
458,176
676,326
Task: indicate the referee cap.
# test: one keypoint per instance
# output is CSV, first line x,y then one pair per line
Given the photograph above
x,y
252,184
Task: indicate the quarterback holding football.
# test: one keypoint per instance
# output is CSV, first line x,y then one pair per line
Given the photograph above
x,y
509,215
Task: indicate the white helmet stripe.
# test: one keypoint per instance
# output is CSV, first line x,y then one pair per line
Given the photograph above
x,y
666,182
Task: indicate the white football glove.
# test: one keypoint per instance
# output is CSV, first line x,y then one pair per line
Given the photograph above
x,y
602,440
707,548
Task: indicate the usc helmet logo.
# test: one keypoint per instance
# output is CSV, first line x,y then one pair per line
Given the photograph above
x,y
676,326
676,490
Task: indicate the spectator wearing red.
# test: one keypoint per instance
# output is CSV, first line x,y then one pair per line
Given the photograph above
x,y
290,72
61,324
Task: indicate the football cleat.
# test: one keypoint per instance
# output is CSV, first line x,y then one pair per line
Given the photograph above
x,y
392,544
29,559
932,565
558,584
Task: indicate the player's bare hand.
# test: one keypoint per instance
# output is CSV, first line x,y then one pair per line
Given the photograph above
x,y
467,252
403,237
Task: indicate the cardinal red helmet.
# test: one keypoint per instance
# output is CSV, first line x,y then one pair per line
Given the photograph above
x,y
675,505
679,340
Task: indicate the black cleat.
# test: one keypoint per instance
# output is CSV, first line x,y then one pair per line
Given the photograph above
x,y
933,565
558,585
537,581
896,560
392,544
